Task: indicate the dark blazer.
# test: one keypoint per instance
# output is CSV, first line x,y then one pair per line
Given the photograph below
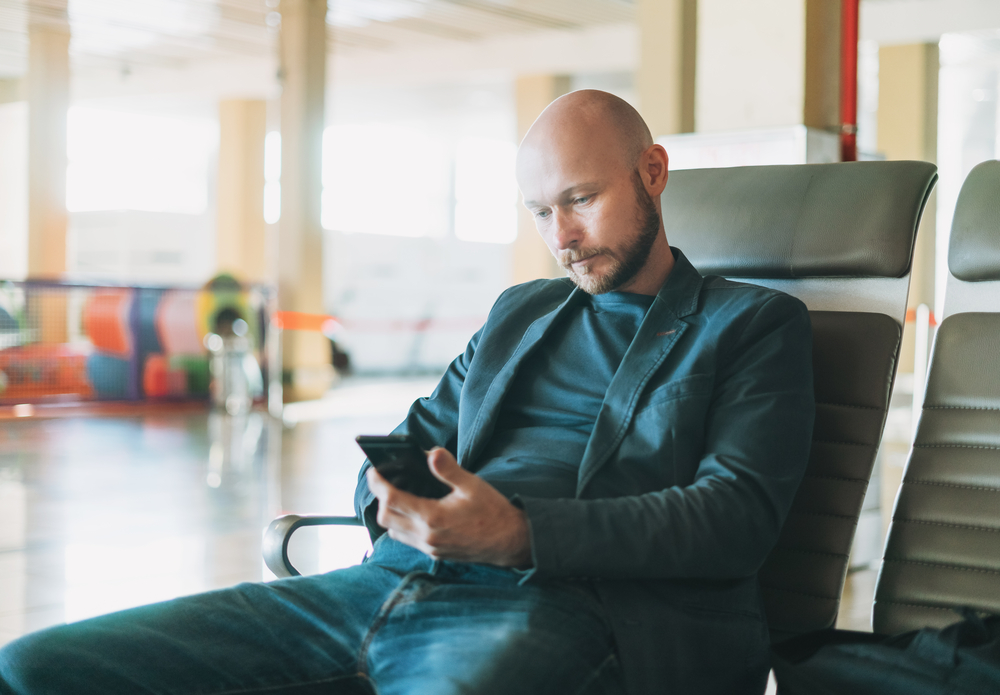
x,y
695,456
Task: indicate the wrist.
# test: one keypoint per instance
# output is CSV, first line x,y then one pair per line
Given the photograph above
x,y
520,550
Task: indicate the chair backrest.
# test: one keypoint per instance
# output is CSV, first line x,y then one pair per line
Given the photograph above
x,y
839,237
943,547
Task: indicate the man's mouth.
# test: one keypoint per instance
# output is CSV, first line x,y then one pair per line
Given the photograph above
x,y
581,261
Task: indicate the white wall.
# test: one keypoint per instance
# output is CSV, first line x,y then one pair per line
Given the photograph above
x,y
750,65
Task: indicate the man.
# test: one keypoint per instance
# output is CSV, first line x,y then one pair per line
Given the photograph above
x,y
622,447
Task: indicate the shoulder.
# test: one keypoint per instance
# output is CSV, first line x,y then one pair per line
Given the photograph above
x,y
738,314
720,296
536,294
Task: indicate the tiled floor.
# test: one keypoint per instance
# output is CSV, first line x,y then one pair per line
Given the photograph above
x,y
103,513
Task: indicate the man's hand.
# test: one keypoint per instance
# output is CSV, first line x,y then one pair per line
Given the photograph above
x,y
472,523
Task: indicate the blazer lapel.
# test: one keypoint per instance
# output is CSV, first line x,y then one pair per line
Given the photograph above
x,y
472,445
659,332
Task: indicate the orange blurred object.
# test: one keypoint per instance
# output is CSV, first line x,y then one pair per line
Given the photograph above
x,y
297,321
35,371
105,319
159,379
911,316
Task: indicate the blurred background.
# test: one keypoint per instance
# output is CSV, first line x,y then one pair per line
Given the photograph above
x,y
236,233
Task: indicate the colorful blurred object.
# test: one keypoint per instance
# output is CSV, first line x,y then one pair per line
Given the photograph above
x,y
161,380
106,321
63,341
7,322
196,369
35,371
109,375
177,323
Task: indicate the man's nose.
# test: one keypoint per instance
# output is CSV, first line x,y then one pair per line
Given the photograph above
x,y
566,230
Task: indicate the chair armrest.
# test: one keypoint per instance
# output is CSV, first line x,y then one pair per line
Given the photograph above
x,y
280,531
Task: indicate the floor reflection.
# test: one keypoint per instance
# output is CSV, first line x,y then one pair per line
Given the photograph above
x,y
100,514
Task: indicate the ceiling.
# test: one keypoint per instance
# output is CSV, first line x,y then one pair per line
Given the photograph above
x,y
228,47
127,34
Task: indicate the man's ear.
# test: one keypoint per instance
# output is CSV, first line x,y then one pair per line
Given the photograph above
x,y
654,168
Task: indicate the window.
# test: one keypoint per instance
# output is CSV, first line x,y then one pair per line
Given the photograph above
x,y
131,161
385,179
485,191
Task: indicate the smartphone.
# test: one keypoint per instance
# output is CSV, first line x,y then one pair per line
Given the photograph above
x,y
399,460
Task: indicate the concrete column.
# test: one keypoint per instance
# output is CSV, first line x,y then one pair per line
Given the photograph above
x,y
530,257
48,102
240,241
907,129
821,101
300,245
47,88
767,64
665,79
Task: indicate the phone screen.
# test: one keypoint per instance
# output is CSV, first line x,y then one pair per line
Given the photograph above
x,y
399,460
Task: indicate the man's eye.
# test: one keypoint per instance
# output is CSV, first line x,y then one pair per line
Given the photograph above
x,y
582,199
542,214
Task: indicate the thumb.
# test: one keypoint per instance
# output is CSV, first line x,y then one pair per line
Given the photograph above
x,y
445,468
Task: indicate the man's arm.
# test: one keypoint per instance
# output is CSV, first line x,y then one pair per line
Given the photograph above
x,y
432,421
758,434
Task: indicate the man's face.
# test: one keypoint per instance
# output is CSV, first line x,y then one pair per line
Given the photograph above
x,y
594,214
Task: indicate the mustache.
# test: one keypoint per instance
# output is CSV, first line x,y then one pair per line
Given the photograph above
x,y
570,256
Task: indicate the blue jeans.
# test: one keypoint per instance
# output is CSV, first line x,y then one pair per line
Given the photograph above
x,y
401,623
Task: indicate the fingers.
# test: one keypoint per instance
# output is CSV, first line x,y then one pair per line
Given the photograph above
x,y
379,486
390,495
445,468
396,507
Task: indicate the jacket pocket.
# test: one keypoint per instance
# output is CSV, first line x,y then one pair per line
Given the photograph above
x,y
677,388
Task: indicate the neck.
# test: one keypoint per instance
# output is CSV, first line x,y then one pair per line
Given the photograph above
x,y
654,273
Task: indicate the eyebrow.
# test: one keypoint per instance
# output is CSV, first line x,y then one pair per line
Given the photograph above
x,y
567,193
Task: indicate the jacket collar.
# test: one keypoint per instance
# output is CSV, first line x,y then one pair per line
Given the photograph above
x,y
679,294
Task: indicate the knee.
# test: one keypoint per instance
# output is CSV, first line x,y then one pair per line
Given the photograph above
x,y
13,660
30,665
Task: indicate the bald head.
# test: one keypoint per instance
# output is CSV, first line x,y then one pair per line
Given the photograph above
x,y
591,118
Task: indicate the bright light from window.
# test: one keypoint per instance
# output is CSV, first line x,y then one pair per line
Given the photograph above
x,y
384,179
129,161
272,177
485,191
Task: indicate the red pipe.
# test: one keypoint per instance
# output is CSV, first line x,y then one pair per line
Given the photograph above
x,y
848,80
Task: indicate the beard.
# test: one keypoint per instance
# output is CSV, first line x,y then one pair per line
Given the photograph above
x,y
627,260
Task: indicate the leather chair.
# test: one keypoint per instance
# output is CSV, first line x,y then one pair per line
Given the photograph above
x,y
943,547
840,237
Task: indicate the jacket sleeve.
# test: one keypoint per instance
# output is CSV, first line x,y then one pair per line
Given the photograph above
x,y
757,440
432,421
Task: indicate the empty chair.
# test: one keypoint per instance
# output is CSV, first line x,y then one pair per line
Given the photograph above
x,y
942,553
943,547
